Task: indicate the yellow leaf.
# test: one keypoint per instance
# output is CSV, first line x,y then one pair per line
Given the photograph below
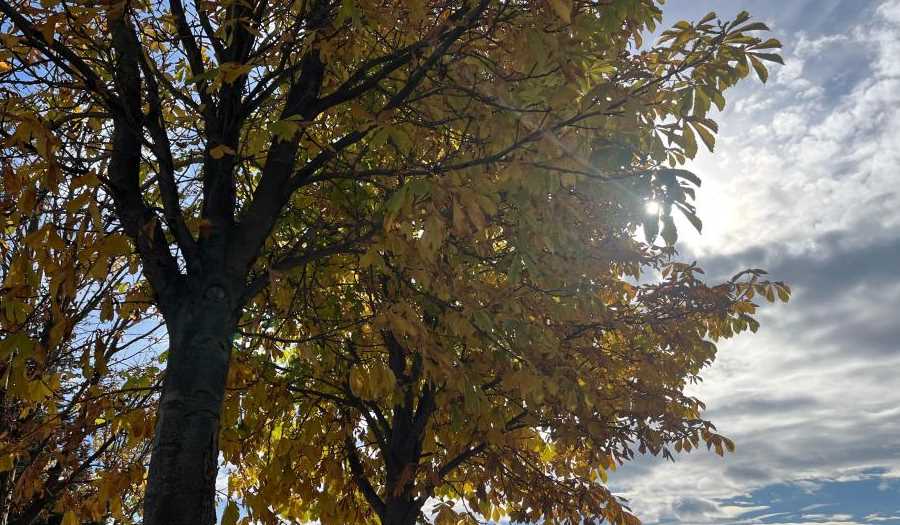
x,y
360,113
708,138
220,151
100,357
69,518
6,462
231,71
115,245
718,446
4,66
230,516
358,382
48,28
78,202
371,257
729,444
563,9
100,269
284,129
205,228
446,516
37,391
603,475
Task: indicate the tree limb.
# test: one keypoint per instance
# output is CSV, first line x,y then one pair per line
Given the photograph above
x,y
359,477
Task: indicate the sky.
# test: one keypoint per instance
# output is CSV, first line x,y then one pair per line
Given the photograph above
x,y
804,182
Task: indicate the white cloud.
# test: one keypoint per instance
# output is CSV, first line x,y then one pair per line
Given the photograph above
x,y
876,517
890,11
806,46
798,157
816,506
789,124
807,176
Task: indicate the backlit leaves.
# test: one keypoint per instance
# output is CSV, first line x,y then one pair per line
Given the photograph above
x,y
452,301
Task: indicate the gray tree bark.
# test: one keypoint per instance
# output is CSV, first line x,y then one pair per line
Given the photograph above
x,y
182,477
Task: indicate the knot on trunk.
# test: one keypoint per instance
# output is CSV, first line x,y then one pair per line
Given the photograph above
x,y
215,293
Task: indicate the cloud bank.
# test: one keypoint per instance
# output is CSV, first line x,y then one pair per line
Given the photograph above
x,y
804,183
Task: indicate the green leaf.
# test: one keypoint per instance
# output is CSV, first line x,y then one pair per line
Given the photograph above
x,y
691,217
716,96
742,69
515,270
401,140
754,26
284,129
706,136
709,16
771,43
685,100
669,231
760,69
701,103
784,293
682,173
651,228
771,57
347,11
688,141
709,123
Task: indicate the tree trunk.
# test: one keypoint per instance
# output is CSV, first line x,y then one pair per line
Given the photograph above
x,y
184,461
402,510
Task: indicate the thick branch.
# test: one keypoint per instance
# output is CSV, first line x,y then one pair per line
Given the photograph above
x,y
359,477
277,182
223,127
270,195
137,219
168,189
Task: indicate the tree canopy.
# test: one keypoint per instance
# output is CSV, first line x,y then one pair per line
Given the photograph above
x,y
401,251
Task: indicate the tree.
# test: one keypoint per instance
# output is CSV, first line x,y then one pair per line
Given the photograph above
x,y
245,141
491,346
428,401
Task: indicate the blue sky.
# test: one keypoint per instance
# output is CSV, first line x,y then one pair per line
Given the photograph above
x,y
804,183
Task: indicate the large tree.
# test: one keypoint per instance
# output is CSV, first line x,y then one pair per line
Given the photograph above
x,y
242,141
502,342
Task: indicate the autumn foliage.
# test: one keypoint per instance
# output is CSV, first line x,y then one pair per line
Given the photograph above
x,y
392,262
